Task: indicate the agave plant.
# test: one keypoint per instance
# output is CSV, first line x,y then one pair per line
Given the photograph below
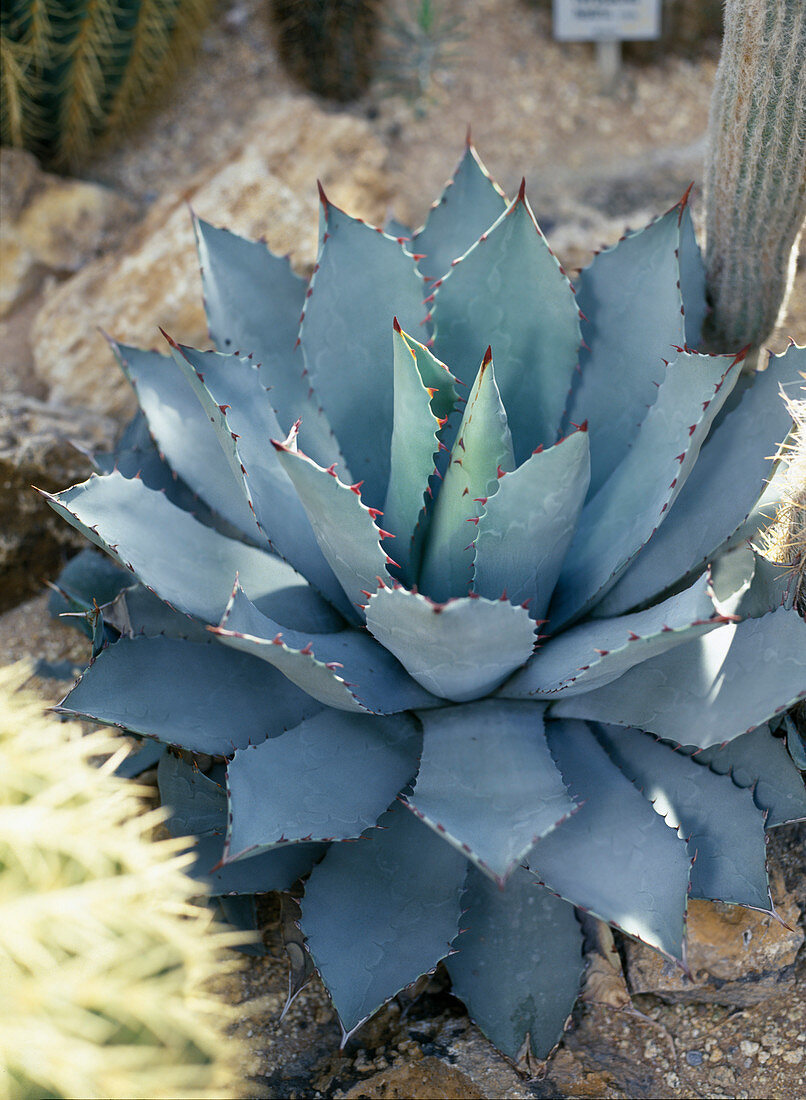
x,y
516,644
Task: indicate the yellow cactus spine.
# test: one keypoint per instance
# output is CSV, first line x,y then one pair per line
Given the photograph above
x,y
104,958
785,540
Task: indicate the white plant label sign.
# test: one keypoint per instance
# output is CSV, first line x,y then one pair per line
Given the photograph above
x,y
589,20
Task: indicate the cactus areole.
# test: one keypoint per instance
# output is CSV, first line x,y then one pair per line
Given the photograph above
x,y
461,597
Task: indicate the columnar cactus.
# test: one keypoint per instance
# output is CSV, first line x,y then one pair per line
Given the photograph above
x,y
104,960
473,631
75,69
756,170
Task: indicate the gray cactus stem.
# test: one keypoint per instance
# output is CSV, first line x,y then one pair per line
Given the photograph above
x,y
756,170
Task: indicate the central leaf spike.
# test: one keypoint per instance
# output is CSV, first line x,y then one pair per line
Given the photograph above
x,y
483,447
510,291
424,395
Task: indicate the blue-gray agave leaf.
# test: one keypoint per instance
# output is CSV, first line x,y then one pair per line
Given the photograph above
x,y
185,562
481,453
469,205
493,814
721,490
622,516
527,523
138,612
198,809
347,321
425,394
346,670
509,292
459,650
632,305
200,696
183,433
518,962
760,762
710,690
598,651
397,893
615,857
347,769
721,824
236,405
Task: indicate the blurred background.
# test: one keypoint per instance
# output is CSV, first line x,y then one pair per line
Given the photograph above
x,y
124,114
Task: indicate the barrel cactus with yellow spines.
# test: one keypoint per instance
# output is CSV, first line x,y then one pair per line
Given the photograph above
x,y
105,960
442,554
75,70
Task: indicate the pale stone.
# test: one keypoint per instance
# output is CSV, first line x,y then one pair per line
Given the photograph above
x,y
39,445
425,1079
51,224
268,188
20,274
736,956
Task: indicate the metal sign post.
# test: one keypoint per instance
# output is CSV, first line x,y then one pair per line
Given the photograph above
x,y
608,23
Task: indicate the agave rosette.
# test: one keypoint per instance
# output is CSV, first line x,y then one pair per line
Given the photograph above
x,y
485,634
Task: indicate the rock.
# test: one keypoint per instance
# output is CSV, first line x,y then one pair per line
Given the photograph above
x,y
57,651
737,956
17,365
51,224
460,1044
20,274
36,449
422,1080
604,982
268,187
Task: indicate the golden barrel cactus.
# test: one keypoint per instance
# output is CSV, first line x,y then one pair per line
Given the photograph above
x,y
104,958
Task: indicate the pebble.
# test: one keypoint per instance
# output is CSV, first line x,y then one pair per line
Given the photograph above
x,y
716,1055
793,1057
694,1057
749,1048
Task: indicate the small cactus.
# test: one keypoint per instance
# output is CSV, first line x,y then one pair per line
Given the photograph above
x,y
72,72
756,170
104,960
328,45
